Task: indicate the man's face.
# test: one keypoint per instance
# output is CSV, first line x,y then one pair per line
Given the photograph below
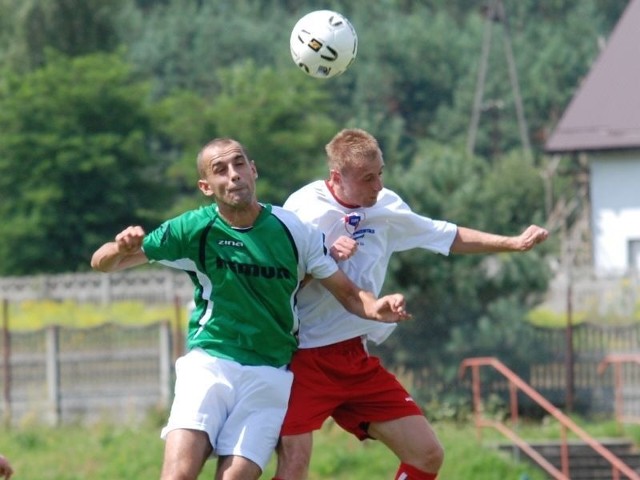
x,y
360,183
230,176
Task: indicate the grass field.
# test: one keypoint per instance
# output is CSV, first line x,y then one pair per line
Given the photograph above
x,y
105,452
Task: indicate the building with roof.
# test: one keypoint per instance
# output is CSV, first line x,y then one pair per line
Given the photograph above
x,y
602,121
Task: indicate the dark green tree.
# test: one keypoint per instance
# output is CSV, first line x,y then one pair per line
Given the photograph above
x,y
416,59
73,27
183,43
459,298
284,129
75,163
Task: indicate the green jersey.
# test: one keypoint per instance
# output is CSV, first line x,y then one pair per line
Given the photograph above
x,y
245,280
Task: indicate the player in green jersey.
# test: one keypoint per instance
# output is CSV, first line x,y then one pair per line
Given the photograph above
x,y
247,261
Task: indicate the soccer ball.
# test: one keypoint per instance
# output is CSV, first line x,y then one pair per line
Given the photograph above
x,y
323,44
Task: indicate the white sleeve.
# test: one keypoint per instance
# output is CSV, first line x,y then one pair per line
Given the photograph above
x,y
314,257
320,264
411,230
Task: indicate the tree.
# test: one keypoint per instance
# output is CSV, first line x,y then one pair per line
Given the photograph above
x,y
458,299
84,144
183,44
74,27
415,56
284,129
75,162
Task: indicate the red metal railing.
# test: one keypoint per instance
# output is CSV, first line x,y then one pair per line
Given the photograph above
x,y
515,384
618,360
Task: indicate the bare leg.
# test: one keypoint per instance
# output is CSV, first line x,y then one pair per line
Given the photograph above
x,y
294,456
413,440
233,467
185,452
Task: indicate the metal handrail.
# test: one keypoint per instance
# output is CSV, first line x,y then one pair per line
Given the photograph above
x,y
515,383
617,360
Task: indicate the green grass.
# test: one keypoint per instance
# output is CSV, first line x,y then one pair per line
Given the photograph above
x,y
106,452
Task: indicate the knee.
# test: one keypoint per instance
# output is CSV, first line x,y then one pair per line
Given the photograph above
x,y
434,456
428,457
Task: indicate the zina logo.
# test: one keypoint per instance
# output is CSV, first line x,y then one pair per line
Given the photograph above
x,y
230,243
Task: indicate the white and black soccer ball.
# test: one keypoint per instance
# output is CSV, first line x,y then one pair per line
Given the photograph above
x,y
323,44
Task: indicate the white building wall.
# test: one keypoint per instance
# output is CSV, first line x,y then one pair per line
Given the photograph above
x,y
615,207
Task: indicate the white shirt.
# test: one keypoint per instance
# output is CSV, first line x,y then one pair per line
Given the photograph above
x,y
388,226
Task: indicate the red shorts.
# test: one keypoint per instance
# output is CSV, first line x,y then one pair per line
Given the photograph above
x,y
342,381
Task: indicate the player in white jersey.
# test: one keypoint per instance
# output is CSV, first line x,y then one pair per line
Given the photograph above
x,y
247,261
333,373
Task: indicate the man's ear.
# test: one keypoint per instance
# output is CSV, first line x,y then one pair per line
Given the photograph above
x,y
204,187
334,176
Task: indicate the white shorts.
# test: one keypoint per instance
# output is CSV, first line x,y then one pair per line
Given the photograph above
x,y
240,407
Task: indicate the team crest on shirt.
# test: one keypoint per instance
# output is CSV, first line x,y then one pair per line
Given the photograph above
x,y
352,221
353,225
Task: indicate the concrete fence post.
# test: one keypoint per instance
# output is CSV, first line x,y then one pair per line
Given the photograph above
x,y
6,361
53,373
105,289
165,359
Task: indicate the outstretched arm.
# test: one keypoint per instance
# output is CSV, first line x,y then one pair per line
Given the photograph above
x,y
468,240
124,252
389,309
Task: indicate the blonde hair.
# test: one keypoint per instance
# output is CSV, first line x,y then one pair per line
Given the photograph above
x,y
351,147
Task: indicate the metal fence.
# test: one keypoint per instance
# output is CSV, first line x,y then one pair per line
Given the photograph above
x,y
61,374
564,373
